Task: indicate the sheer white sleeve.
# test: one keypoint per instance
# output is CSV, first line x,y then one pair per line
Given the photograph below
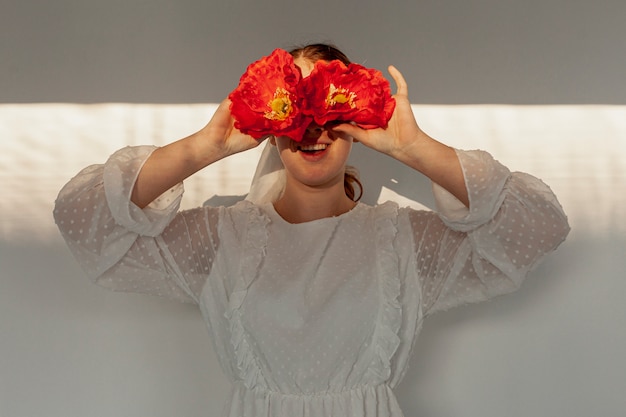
x,y
468,255
155,250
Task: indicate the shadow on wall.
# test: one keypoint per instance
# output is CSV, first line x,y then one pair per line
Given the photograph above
x,y
384,178
553,348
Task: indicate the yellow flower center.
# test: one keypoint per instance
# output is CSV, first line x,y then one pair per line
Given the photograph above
x,y
340,95
280,105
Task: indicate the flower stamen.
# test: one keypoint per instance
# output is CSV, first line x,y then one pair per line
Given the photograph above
x,y
340,95
280,105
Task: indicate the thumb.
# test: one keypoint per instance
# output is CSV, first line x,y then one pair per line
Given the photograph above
x,y
402,88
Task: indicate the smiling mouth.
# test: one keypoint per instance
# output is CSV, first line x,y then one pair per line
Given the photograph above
x,y
312,148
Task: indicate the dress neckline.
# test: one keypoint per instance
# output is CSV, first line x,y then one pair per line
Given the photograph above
x,y
275,216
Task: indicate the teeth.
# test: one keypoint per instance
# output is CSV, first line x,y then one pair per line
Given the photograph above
x,y
313,147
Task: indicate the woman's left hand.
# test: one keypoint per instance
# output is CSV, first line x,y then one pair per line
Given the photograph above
x,y
402,131
406,142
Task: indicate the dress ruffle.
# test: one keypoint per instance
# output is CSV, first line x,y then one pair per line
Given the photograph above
x,y
252,256
385,340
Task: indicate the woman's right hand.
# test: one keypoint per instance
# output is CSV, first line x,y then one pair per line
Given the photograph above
x,y
222,134
173,163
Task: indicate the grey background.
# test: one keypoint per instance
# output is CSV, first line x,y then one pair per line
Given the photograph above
x,y
451,51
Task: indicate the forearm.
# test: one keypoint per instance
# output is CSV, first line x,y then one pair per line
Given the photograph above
x,y
173,163
437,161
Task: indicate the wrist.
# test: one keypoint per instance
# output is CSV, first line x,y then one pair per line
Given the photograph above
x,y
205,149
413,151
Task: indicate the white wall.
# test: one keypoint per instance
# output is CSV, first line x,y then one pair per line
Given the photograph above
x,y
555,348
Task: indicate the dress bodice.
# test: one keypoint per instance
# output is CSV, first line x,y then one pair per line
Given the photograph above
x,y
313,319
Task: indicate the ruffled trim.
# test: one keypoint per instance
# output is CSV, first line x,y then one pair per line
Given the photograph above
x,y
385,340
253,252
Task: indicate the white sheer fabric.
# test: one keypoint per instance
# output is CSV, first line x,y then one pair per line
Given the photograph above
x,y
268,182
319,318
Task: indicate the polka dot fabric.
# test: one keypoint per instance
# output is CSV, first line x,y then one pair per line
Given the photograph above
x,y
319,318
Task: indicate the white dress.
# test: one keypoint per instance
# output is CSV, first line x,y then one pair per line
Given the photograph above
x,y
314,319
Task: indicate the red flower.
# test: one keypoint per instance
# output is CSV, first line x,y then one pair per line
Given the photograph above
x,y
265,101
336,92
272,98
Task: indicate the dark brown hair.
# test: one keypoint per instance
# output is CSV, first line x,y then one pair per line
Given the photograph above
x,y
321,51
316,51
350,179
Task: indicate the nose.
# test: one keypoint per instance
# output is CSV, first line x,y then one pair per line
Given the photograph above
x,y
313,132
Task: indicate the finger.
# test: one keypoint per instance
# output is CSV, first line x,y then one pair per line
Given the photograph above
x,y
402,87
223,110
225,104
348,129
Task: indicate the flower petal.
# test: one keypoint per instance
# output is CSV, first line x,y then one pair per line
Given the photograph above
x,y
334,91
266,102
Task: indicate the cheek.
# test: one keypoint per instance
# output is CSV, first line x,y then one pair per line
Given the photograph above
x,y
345,142
284,143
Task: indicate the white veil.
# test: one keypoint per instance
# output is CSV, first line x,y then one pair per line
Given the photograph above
x,y
268,182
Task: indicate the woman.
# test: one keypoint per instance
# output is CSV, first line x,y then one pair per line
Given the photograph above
x,y
313,300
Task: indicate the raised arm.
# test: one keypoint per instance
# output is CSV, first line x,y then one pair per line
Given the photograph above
x,y
405,141
467,254
171,164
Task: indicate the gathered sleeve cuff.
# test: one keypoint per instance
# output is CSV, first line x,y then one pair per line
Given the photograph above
x,y
119,175
465,255
125,248
485,179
